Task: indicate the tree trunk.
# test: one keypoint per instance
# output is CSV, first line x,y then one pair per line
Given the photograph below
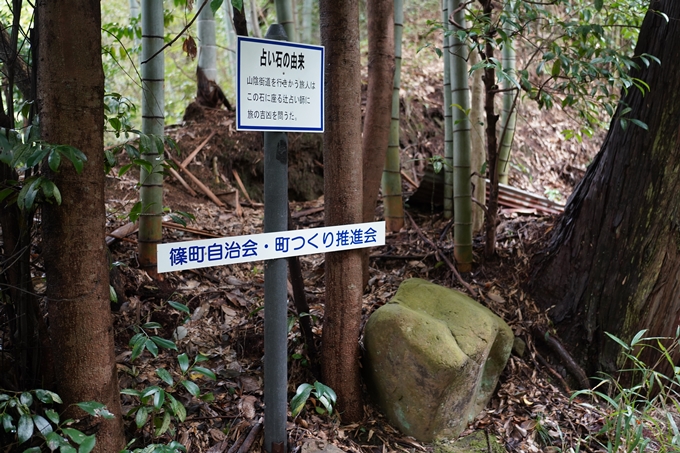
x,y
478,144
286,17
343,182
460,110
613,263
153,120
448,121
71,106
376,136
207,46
393,202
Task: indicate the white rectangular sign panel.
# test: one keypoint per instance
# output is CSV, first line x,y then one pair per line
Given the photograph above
x,y
178,256
279,86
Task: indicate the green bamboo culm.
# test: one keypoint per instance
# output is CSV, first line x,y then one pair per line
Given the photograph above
x,y
448,122
509,112
285,16
153,103
391,178
207,45
460,110
307,8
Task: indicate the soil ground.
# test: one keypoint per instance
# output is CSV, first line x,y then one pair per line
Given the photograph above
x,y
531,410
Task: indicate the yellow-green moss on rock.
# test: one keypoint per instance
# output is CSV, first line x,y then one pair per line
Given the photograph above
x,y
433,358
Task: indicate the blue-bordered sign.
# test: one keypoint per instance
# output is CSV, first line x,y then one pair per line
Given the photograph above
x,y
279,86
178,256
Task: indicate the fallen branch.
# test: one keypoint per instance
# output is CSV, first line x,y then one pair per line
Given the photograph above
x,y
569,363
442,256
202,186
181,180
177,226
191,156
252,435
241,186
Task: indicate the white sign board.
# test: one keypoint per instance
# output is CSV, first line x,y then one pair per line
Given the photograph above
x,y
179,256
279,86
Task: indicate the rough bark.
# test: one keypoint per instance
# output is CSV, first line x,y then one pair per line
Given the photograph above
x,y
343,185
70,101
613,263
376,133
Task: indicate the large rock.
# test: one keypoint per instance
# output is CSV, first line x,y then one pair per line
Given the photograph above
x,y
433,358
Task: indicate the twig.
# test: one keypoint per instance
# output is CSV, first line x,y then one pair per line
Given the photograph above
x,y
554,372
202,186
191,156
172,41
442,256
408,179
305,212
241,186
569,362
177,226
252,435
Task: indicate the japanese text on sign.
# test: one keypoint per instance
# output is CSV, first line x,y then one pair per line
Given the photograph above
x,y
279,86
179,256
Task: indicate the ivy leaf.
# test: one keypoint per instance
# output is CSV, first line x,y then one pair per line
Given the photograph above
x,y
183,360
42,424
25,428
238,4
52,415
53,441
599,4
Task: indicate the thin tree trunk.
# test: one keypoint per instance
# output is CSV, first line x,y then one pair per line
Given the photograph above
x,y
153,104
460,99
613,263
509,112
489,79
307,8
343,181
478,148
71,105
380,14
391,179
285,16
448,122
207,46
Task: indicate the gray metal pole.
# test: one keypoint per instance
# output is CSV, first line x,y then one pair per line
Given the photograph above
x,y
275,285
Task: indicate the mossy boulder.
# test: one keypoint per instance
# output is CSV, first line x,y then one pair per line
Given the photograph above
x,y
433,358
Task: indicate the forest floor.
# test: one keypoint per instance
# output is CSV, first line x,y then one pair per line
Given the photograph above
x,y
531,410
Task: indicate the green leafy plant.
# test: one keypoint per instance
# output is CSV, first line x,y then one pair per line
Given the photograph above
x,y
158,402
28,418
321,393
644,411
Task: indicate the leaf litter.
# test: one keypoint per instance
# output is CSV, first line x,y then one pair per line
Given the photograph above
x,y
531,410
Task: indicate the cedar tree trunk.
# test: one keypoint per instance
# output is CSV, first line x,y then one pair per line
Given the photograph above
x,y
71,106
613,264
342,186
378,116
